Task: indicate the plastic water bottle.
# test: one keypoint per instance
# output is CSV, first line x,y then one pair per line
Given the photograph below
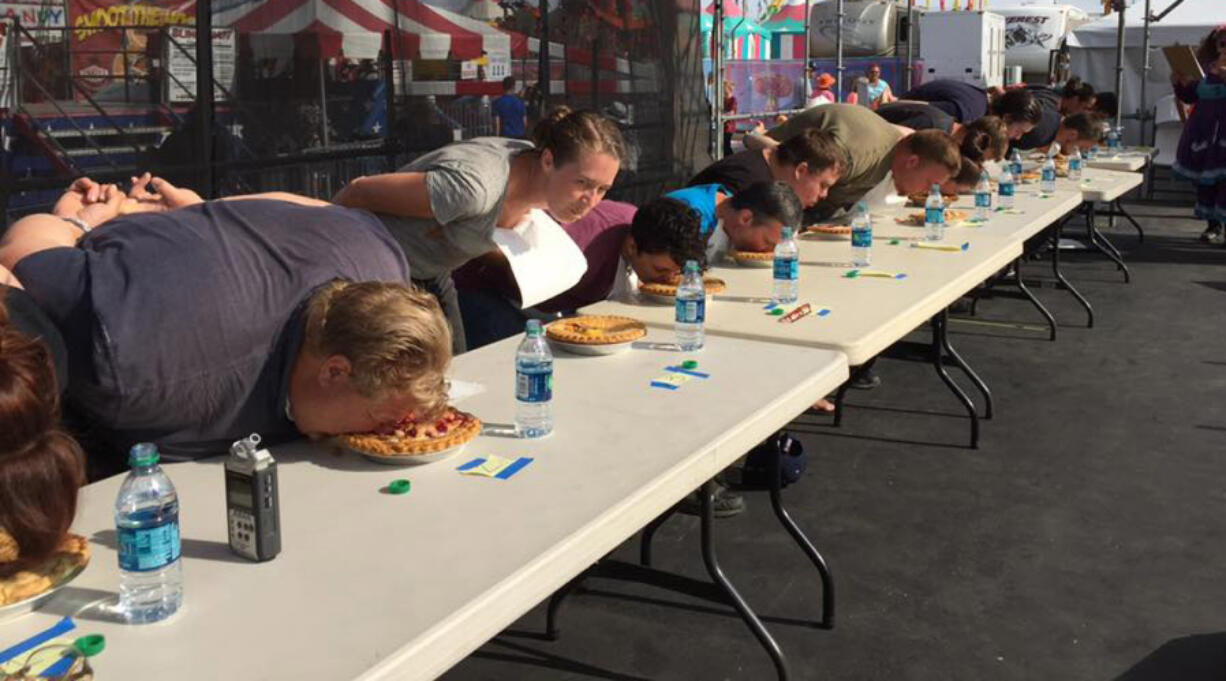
x,y
1092,153
787,269
147,524
1113,139
533,384
1015,163
1006,188
1074,165
934,215
983,197
861,236
1047,177
691,308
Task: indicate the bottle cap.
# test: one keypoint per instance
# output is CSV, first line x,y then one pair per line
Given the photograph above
x,y
689,364
400,486
691,265
90,645
143,454
534,327
787,233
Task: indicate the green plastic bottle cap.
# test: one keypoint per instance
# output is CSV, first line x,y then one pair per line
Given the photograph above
x,y
777,311
689,364
143,454
399,487
90,645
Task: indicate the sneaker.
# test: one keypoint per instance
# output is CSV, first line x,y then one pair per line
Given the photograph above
x,y
865,380
1213,235
725,505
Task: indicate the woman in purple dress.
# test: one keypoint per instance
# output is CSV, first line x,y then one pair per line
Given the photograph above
x,y
1202,147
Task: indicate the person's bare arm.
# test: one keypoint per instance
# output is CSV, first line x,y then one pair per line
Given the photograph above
x,y
279,196
758,142
7,278
85,202
402,194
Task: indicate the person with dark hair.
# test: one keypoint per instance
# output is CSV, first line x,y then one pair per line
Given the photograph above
x,y
917,116
510,112
1201,156
963,101
982,139
1106,105
750,220
965,179
877,91
41,465
1076,97
1020,109
810,163
443,207
197,323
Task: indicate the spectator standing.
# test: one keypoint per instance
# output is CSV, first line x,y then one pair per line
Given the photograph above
x,y
823,94
730,108
510,112
1201,156
878,90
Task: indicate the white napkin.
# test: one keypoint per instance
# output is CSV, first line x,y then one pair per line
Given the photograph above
x,y
544,259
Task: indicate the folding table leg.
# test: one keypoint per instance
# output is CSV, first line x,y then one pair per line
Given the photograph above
x,y
839,399
966,368
555,605
1057,234
649,534
1119,210
1021,286
776,492
717,575
938,354
1102,243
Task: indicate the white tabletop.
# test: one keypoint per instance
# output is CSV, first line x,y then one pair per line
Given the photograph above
x,y
375,586
1107,185
1128,159
867,315
1033,212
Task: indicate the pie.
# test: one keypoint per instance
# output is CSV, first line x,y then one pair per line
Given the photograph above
x,y
711,284
73,553
830,229
1030,176
410,437
952,216
920,200
596,330
752,257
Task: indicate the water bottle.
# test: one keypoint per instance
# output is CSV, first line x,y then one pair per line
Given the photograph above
x,y
147,525
1074,165
533,384
983,197
934,215
1047,177
1113,139
691,308
1092,153
1015,163
861,236
1006,188
787,269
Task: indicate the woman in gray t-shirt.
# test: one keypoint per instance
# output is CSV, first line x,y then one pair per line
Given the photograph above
x,y
443,207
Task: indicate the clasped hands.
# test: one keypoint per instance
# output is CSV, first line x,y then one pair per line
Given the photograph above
x,y
94,203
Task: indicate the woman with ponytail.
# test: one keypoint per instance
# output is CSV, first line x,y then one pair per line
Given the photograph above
x,y
444,206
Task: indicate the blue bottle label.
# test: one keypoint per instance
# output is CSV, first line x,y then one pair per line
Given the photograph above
x,y
934,216
534,387
1006,189
787,268
144,549
692,311
983,200
1049,174
1016,169
1074,164
861,238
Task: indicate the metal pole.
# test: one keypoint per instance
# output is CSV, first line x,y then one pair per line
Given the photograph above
x,y
323,100
910,44
1119,65
717,69
204,94
543,59
1144,110
808,89
838,53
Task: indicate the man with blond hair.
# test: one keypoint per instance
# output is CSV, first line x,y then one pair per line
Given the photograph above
x,y
197,323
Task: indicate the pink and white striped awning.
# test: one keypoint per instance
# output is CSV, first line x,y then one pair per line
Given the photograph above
x,y
355,28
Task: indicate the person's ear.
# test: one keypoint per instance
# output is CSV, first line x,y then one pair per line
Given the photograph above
x,y
802,169
547,160
912,162
334,371
744,217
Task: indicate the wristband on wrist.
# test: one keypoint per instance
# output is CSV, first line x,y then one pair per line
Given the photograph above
x,y
78,223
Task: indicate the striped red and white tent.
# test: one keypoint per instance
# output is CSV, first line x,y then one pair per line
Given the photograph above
x,y
354,29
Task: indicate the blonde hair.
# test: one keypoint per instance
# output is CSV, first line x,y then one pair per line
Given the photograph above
x,y
395,338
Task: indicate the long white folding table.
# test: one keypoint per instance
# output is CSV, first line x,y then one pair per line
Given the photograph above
x,y
1129,159
376,586
1108,186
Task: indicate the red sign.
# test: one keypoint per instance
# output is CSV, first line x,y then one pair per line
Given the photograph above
x,y
110,39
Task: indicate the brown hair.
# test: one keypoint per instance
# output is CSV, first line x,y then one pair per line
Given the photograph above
x,y
1087,125
1017,105
934,146
968,175
985,138
568,134
395,338
1207,52
41,466
818,148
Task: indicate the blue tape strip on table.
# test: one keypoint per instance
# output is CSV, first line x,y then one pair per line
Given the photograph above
x,y
59,629
60,668
687,372
666,386
505,473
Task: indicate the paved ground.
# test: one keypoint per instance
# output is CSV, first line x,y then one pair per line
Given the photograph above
x,y
1086,539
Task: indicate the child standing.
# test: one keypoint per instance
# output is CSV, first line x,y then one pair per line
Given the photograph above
x,y
1201,157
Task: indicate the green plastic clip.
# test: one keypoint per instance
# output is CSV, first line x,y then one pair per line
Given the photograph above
x,y
399,487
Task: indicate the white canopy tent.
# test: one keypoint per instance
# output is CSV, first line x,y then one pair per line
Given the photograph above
x,y
1093,49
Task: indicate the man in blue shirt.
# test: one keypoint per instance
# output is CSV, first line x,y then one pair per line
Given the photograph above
x,y
750,220
510,112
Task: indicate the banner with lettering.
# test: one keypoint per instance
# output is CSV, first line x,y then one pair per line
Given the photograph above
x,y
111,39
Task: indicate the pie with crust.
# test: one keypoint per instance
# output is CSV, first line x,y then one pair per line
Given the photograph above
x,y
596,330
752,256
839,230
952,216
411,437
72,554
711,284
921,200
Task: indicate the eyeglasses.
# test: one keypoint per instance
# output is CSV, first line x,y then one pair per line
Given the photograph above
x,y
62,661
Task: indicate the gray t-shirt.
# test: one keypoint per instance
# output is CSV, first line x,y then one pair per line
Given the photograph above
x,y
467,182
